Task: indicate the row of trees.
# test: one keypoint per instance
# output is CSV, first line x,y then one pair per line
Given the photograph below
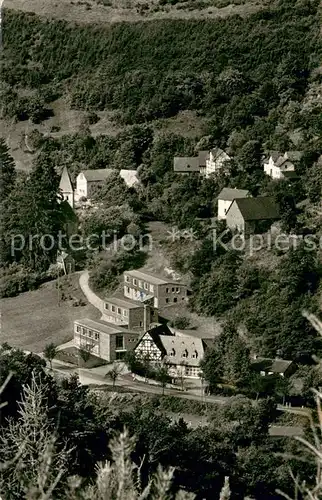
x,y
60,431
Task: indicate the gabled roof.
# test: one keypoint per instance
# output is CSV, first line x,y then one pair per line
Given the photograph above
x,y
230,194
261,208
278,366
65,184
182,345
281,160
130,177
186,164
142,274
217,153
99,174
202,156
155,333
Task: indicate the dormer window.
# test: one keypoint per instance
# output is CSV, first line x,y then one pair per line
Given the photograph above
x,y
172,352
185,353
194,354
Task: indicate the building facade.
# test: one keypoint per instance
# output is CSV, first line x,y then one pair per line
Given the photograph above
x,y
215,162
252,215
278,165
181,354
140,285
88,181
105,341
129,314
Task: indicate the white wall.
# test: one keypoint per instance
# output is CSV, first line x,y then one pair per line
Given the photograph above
x,y
81,186
223,206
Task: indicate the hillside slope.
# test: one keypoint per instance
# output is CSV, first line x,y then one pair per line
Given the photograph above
x,y
105,11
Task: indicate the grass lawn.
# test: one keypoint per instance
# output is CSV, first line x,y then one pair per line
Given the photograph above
x,y
33,319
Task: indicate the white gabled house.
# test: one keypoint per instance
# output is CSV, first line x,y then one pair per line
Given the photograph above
x,y
215,161
281,166
225,199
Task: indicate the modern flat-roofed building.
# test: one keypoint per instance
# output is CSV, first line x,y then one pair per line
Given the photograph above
x,y
141,285
128,313
108,342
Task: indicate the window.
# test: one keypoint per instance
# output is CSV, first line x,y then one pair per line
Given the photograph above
x,y
185,353
96,335
90,333
172,289
135,282
84,331
127,279
175,299
177,289
119,342
113,308
128,290
106,306
151,288
77,328
119,310
140,284
194,354
167,300
141,323
172,352
125,313
146,286
167,290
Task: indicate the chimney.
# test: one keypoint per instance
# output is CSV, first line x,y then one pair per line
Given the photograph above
x,y
145,320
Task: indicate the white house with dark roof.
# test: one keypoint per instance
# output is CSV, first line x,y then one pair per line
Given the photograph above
x,y
66,187
225,199
87,181
215,161
281,166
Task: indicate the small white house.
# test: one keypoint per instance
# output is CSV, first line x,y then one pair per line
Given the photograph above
x,y
280,166
215,161
87,181
225,199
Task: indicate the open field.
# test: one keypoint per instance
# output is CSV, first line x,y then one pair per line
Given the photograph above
x,y
33,319
104,11
68,121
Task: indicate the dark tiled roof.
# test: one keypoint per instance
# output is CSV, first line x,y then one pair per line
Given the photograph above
x,y
271,365
230,194
261,208
186,164
155,334
99,174
290,174
202,156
